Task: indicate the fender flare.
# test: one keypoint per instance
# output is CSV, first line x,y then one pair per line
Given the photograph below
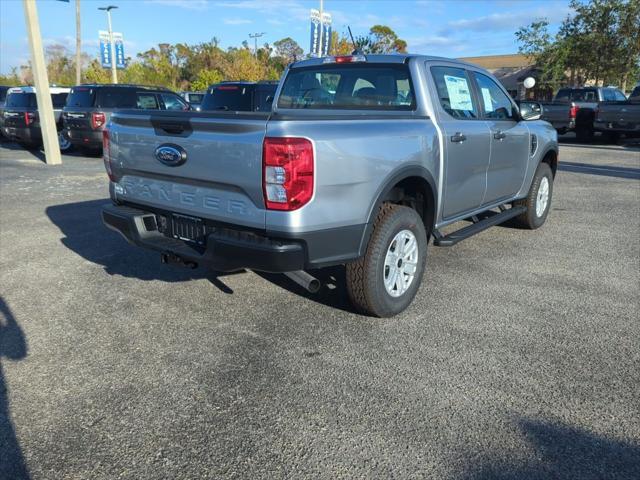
x,y
386,187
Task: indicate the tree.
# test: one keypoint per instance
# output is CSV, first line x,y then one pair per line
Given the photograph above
x,y
599,43
381,39
340,44
288,49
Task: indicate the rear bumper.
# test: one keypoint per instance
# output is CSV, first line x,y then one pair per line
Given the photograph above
x,y
231,248
23,134
226,250
85,138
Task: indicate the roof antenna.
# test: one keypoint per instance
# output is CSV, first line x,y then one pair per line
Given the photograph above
x,y
356,50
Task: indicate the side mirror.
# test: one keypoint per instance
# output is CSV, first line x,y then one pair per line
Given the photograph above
x,y
530,110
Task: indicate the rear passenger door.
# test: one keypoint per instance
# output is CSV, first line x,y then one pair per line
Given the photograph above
x,y
466,141
509,140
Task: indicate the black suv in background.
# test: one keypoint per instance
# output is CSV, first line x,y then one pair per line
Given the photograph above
x,y
89,108
21,121
3,97
240,96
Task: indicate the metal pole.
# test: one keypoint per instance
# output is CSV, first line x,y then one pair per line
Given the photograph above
x,y
114,72
255,37
78,46
321,28
43,95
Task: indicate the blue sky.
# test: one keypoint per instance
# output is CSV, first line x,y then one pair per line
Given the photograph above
x,y
452,28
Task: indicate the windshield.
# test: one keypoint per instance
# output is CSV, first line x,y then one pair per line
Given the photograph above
x,y
348,87
81,97
228,97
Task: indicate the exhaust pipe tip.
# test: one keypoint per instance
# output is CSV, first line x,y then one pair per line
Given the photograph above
x,y
306,281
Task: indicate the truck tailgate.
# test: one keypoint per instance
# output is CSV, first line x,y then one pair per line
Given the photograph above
x,y
220,178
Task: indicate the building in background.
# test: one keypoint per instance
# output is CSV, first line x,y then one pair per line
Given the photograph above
x,y
511,70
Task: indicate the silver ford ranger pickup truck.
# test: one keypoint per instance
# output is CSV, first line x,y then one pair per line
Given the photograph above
x,y
362,160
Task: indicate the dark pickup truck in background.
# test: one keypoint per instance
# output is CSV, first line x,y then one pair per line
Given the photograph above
x,y
574,109
619,117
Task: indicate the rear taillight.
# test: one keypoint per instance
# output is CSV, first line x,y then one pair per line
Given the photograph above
x,y
573,111
106,154
29,118
287,172
97,120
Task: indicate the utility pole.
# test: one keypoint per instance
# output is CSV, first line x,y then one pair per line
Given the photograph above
x,y
43,95
321,28
255,37
78,45
112,48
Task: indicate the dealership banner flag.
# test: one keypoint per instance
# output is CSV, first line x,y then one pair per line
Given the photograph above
x,y
315,49
105,49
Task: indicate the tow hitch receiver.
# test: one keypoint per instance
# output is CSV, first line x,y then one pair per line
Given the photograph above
x,y
173,259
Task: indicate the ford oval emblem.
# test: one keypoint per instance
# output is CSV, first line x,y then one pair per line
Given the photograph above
x,y
171,155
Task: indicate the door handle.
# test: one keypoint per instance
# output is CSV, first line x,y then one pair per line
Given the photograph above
x,y
458,137
499,135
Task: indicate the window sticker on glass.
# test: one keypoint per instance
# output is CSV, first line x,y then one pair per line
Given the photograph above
x,y
488,102
459,93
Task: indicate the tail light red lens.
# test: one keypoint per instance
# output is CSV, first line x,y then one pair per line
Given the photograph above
x,y
29,118
573,112
287,164
106,154
97,120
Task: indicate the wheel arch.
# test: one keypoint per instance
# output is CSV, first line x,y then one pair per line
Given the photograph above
x,y
413,186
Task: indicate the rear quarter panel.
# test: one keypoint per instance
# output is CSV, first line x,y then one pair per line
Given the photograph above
x,y
354,160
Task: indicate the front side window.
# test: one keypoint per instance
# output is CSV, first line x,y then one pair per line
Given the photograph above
x,y
355,86
172,102
454,92
495,102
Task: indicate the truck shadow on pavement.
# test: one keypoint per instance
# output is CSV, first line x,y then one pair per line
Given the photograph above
x,y
562,451
602,170
84,233
13,346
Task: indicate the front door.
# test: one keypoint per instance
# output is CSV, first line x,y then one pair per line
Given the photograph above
x,y
466,142
509,141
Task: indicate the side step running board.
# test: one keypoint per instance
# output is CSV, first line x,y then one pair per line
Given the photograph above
x,y
476,227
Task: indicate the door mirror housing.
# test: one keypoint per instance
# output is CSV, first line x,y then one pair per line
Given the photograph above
x,y
530,110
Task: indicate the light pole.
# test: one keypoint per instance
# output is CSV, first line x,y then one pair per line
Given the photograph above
x,y
78,45
112,48
255,37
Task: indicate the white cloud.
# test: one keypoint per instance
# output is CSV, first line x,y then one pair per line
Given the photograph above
x,y
236,21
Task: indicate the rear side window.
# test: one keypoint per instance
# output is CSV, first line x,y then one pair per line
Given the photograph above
x,y
635,95
195,98
117,98
495,102
3,94
348,87
228,97
454,92
264,98
21,100
146,101
584,96
81,97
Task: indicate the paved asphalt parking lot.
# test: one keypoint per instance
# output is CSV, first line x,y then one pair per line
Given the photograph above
x,y
519,359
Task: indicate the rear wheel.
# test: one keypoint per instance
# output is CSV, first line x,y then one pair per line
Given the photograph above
x,y
538,201
385,280
64,142
584,133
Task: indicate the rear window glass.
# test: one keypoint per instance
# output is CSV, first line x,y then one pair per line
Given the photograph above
x,y
21,100
635,95
81,97
59,99
228,97
117,98
348,87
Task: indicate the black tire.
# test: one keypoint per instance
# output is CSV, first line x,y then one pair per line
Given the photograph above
x,y
365,276
611,137
584,133
91,152
530,219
